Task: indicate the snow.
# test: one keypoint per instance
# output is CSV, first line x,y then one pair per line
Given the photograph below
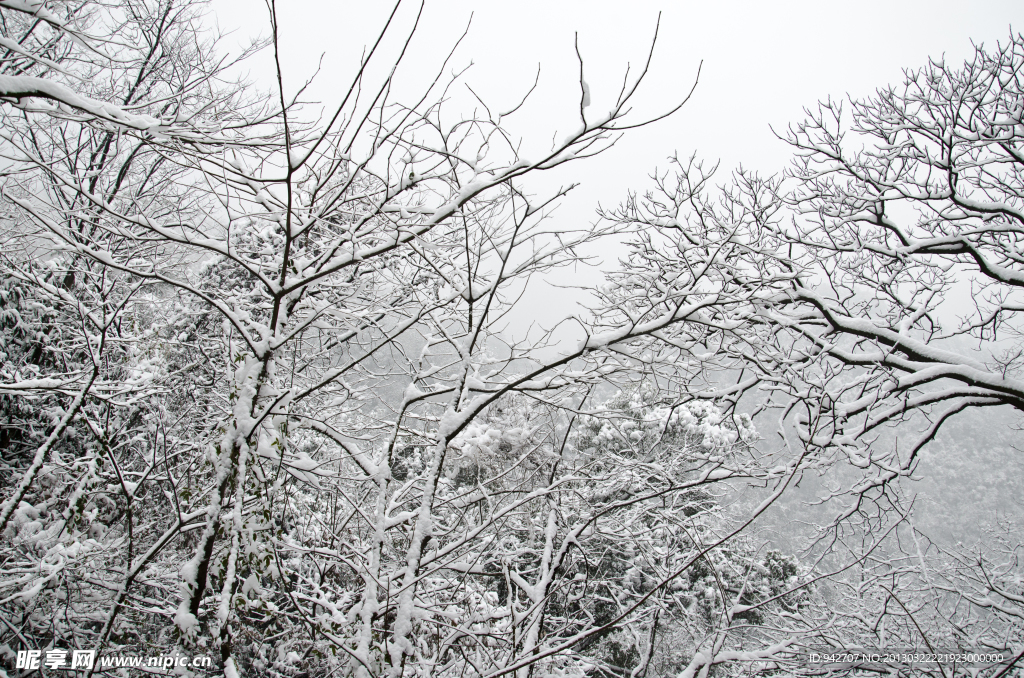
x,y
554,475
36,8
33,384
22,86
297,156
702,659
475,291
185,620
412,393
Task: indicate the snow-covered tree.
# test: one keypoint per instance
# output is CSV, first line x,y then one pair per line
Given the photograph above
x,y
875,284
260,399
96,365
910,220
132,66
856,303
322,323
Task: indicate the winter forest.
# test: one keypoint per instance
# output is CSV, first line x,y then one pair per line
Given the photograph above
x,y
270,393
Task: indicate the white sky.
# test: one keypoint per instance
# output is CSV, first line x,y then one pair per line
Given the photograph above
x,y
763,62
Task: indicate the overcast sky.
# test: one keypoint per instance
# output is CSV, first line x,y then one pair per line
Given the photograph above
x,y
762,63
